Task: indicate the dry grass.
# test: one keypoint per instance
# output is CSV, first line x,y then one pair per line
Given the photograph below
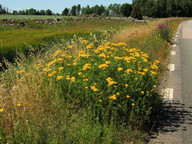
x,y
138,30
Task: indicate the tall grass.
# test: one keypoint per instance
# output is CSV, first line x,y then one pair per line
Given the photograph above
x,y
84,91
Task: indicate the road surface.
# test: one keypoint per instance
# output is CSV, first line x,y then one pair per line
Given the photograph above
x,y
175,127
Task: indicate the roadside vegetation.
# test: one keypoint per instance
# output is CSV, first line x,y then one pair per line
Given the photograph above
x,y
93,89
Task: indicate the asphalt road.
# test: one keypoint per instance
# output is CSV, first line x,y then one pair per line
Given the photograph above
x,y
175,126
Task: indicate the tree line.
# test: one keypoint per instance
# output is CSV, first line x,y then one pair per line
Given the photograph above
x,y
138,9
164,8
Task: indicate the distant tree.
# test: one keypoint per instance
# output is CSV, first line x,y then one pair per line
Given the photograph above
x,y
42,12
65,12
21,12
74,10
98,10
48,12
150,5
114,9
86,10
78,9
2,10
106,12
136,12
32,11
15,12
126,9
101,10
26,12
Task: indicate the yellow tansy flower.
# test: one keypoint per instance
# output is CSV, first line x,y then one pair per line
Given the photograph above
x,y
94,88
1,110
69,47
79,73
73,79
59,77
113,97
128,96
67,77
61,68
120,69
18,105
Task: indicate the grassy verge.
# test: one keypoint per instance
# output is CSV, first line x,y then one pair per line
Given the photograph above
x,y
87,91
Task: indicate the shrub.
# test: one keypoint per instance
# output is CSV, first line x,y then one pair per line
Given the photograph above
x,y
164,31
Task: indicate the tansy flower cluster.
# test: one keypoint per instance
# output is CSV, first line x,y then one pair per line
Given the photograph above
x,y
108,76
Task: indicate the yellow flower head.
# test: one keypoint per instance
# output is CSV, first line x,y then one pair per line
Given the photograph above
x,y
61,68
133,104
85,79
103,66
67,77
70,47
145,70
153,73
51,74
110,81
107,62
90,46
102,55
79,73
86,66
128,96
57,52
59,77
1,110
18,105
21,71
73,79
94,88
113,97
60,59
120,69
118,58
129,71
85,41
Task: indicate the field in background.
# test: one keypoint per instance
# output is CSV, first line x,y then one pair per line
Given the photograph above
x,y
16,37
89,89
30,17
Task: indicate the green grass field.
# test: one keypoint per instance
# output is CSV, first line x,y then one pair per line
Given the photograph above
x,y
14,37
30,17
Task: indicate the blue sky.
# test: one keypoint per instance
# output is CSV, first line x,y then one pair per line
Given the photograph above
x,y
55,5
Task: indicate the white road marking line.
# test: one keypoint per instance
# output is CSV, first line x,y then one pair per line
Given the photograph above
x,y
174,45
168,93
175,39
176,36
173,53
171,67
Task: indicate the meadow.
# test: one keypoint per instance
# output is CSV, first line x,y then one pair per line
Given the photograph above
x,y
98,88
15,38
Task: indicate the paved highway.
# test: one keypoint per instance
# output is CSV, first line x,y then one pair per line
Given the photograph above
x,y
175,127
